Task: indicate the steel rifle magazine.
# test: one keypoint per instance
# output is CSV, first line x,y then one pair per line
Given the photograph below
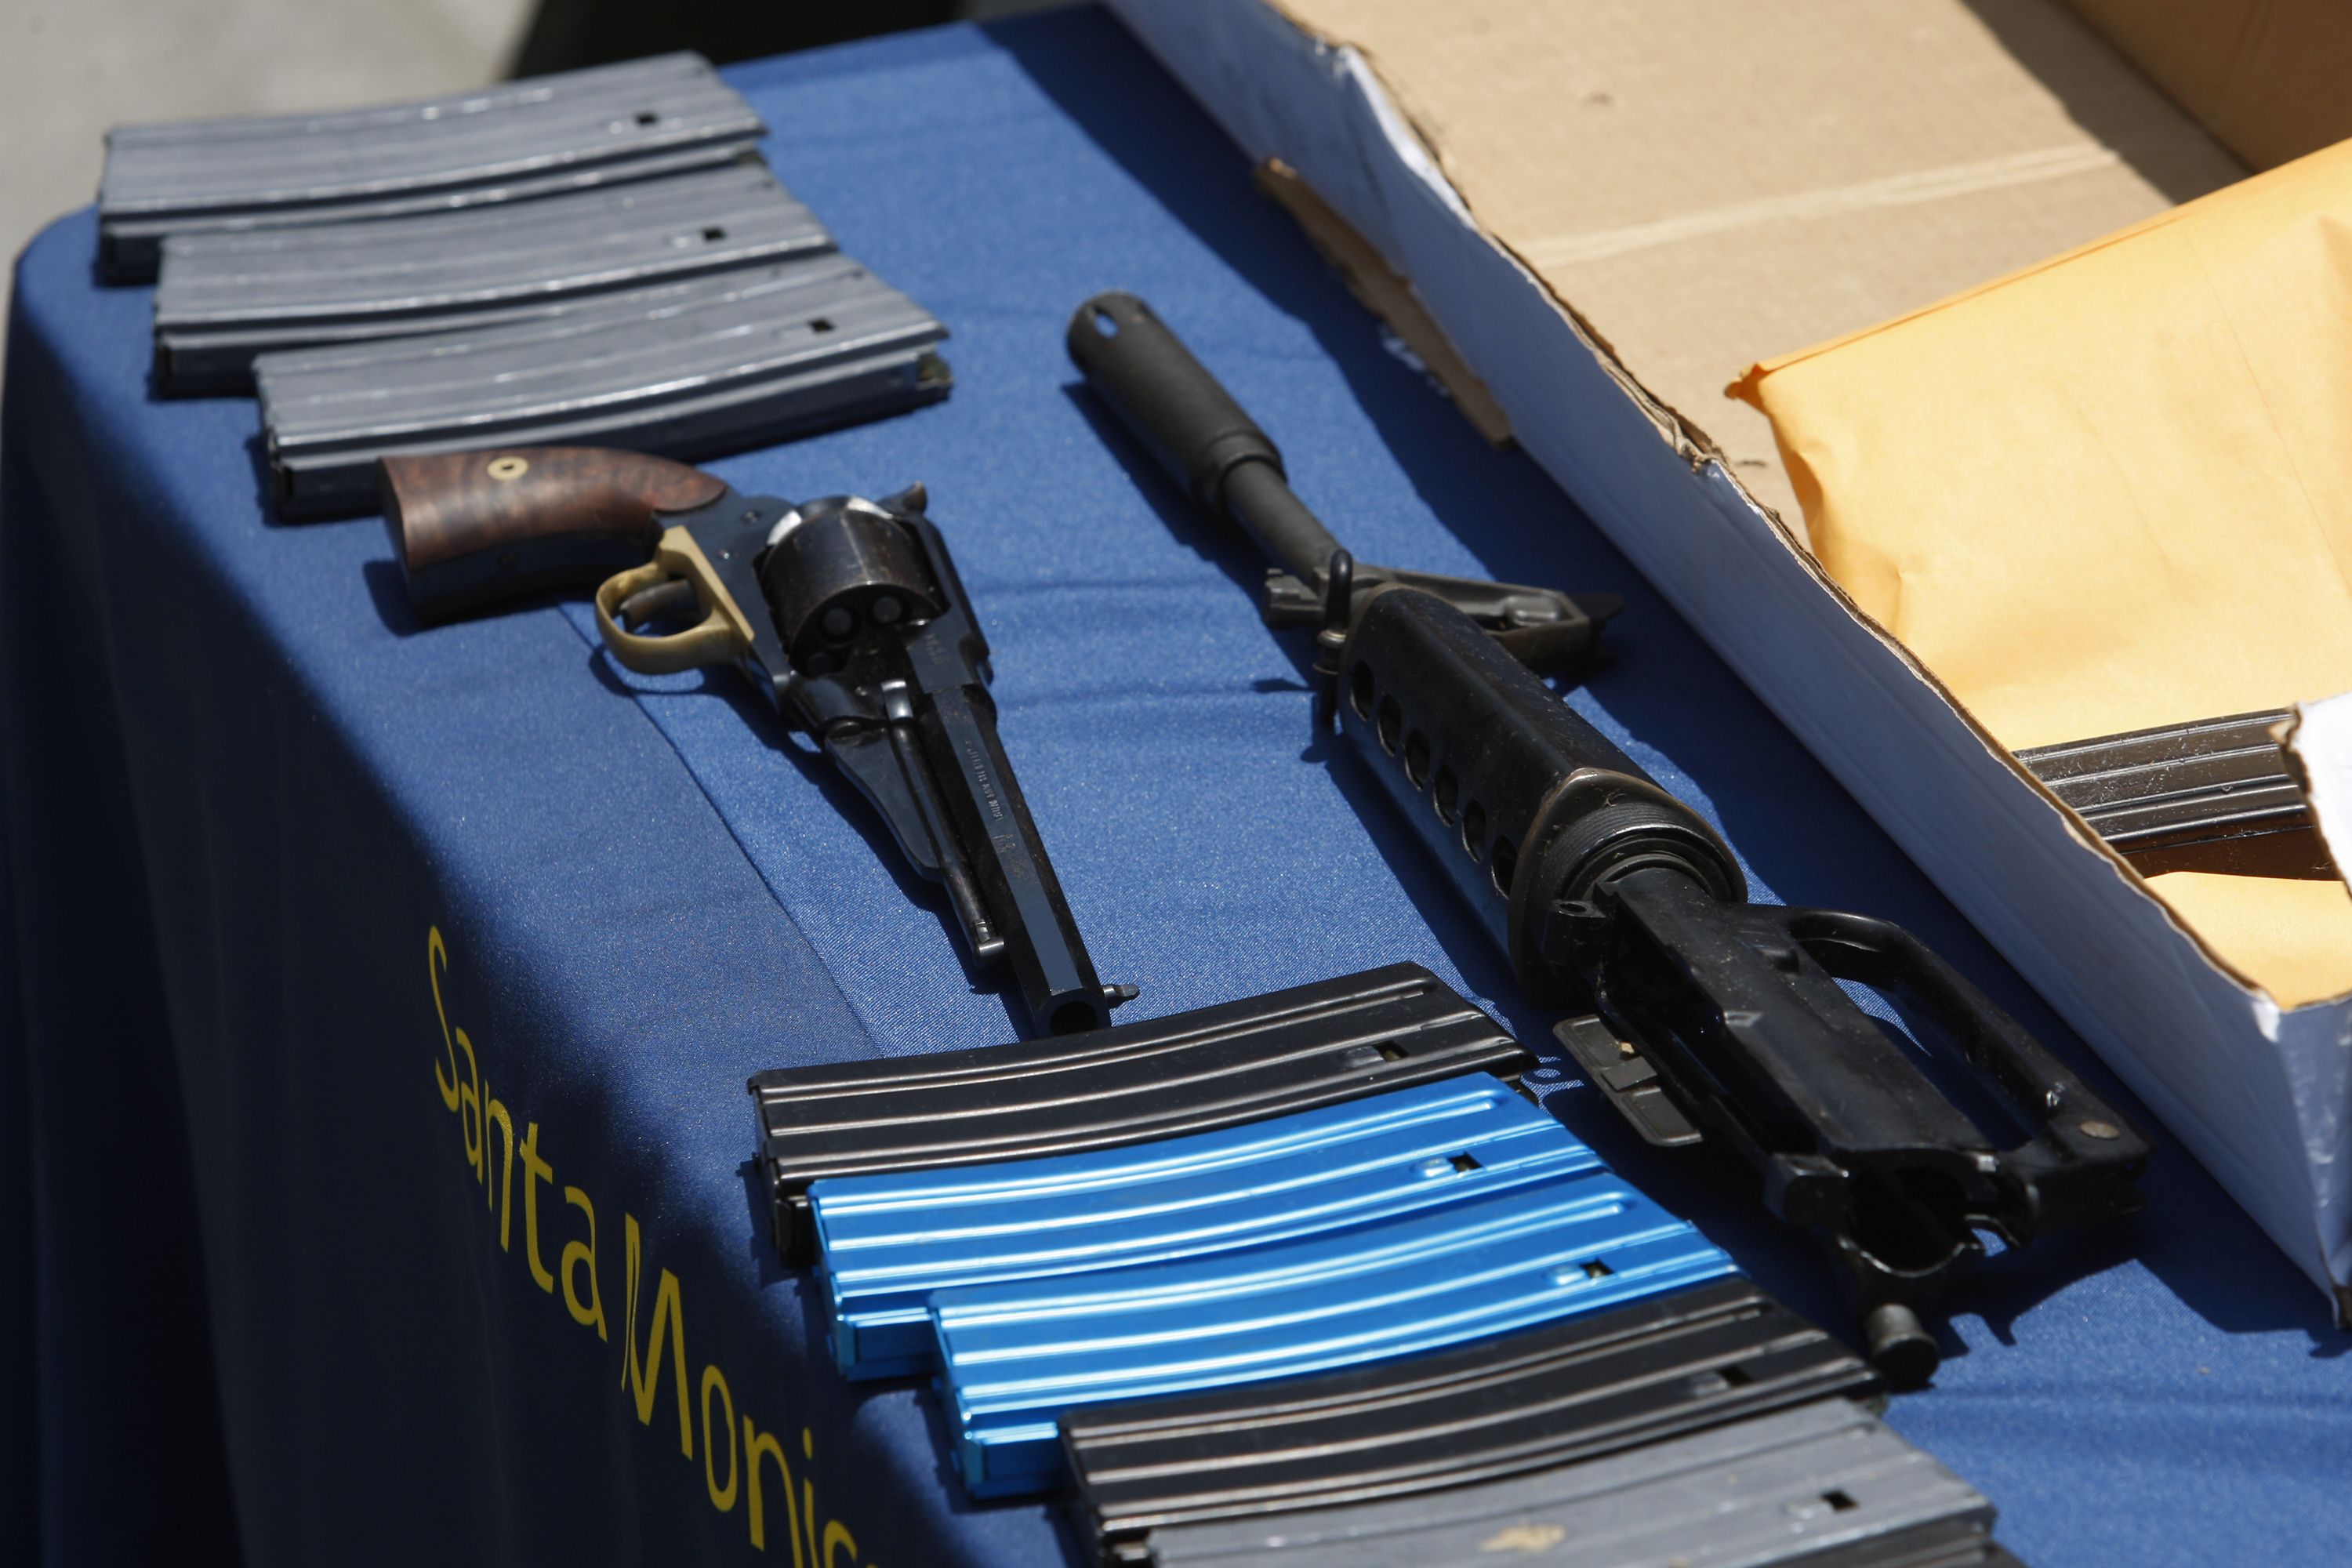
x,y
739,359
2213,794
225,300
518,141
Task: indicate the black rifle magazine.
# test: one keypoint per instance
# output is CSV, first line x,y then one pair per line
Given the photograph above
x,y
2213,794
1191,1072
516,141
1825,1485
1570,1390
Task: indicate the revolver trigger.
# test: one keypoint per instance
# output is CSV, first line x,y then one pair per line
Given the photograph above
x,y
664,601
720,636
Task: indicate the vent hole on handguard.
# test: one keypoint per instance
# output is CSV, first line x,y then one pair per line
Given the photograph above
x,y
1596,1270
1444,795
1840,1502
1474,830
820,324
1465,1164
1506,864
647,117
714,233
1735,1377
1360,690
1391,725
1416,758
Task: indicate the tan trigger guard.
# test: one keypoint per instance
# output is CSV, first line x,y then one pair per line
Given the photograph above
x,y
722,635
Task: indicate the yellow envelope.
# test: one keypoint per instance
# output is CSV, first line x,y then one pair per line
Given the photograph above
x,y
2112,491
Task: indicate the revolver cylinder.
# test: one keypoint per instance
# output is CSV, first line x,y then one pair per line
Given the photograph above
x,y
844,570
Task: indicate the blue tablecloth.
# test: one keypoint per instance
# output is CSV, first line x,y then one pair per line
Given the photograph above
x,y
376,1004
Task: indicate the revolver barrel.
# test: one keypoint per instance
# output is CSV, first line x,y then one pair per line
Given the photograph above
x,y
888,666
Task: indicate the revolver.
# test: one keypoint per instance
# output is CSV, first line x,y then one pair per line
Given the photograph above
x,y
844,613
1697,1014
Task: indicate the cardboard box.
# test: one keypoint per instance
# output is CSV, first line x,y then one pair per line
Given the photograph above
x,y
1610,209
2266,77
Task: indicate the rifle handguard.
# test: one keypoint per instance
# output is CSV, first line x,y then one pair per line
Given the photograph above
x,y
1522,801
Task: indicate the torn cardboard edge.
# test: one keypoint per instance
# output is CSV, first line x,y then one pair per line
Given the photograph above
x,y
1406,136
1386,294
2245,1084
2317,742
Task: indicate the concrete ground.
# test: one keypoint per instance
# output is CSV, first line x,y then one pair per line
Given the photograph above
x,y
70,69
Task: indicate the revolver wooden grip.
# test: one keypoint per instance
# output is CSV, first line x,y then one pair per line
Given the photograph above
x,y
472,529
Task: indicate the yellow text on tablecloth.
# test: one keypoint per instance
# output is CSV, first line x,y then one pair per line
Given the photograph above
x,y
744,1465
